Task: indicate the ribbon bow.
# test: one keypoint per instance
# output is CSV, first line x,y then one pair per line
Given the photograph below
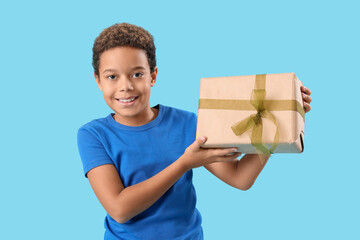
x,y
254,121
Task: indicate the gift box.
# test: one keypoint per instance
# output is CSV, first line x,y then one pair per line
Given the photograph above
x,y
260,114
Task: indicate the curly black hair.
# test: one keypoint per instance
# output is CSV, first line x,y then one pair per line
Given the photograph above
x,y
124,35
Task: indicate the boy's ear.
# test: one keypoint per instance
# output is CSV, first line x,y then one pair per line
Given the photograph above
x,y
97,78
153,77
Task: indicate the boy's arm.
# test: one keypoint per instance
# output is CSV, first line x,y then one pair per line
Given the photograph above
x,y
239,174
124,203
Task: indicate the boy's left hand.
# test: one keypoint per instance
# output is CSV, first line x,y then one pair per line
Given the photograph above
x,y
305,93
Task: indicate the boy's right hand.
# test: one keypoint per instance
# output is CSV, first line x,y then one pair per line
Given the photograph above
x,y
195,156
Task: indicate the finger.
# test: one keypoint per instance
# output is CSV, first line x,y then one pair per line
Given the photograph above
x,y
228,158
307,107
223,151
305,90
306,98
197,143
233,154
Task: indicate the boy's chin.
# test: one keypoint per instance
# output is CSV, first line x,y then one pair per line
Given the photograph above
x,y
127,112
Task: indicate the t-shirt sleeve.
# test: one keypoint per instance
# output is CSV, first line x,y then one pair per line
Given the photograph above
x,y
91,150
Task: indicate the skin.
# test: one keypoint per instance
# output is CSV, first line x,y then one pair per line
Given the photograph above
x,y
125,72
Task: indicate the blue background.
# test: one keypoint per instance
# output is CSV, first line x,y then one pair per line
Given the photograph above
x,y
48,92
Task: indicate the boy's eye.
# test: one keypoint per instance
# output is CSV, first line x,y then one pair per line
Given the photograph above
x,y
137,75
111,77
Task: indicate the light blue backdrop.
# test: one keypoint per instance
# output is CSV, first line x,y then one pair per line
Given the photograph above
x,y
48,92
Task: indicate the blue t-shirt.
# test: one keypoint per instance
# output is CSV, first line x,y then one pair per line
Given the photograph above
x,y
139,153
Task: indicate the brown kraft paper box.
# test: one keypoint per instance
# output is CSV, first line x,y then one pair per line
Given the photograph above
x,y
272,102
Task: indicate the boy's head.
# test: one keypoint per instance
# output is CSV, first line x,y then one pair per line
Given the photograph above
x,y
125,70
124,35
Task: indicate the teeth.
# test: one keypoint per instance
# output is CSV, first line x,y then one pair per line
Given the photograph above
x,y
127,100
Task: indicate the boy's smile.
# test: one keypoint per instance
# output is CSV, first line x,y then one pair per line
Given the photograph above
x,y
125,80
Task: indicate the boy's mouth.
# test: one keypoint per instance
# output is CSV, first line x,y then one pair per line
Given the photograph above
x,y
127,101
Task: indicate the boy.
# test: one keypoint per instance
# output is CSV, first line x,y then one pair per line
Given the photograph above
x,y
139,159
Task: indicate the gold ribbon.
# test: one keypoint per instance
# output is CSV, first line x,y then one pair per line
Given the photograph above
x,y
271,105
254,121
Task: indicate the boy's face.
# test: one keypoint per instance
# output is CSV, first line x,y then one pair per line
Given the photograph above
x,y
125,80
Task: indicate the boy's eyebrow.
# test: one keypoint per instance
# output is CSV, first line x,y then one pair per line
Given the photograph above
x,y
109,70
132,69
138,67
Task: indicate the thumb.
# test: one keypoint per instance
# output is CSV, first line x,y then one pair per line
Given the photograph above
x,y
198,142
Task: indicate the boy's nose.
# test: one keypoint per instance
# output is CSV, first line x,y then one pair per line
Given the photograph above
x,y
125,84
